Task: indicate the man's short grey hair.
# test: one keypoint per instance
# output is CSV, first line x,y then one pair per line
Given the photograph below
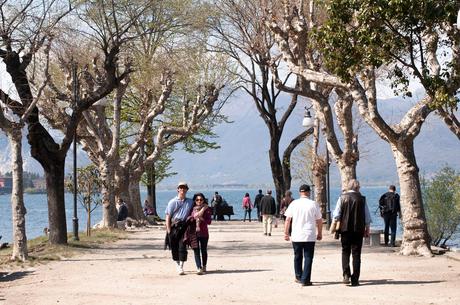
x,y
353,185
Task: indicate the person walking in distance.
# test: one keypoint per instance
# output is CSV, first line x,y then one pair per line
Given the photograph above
x,y
304,217
287,199
389,209
267,209
122,210
352,212
247,206
177,211
257,199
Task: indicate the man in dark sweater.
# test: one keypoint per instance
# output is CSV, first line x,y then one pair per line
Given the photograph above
x,y
257,199
352,212
267,209
389,209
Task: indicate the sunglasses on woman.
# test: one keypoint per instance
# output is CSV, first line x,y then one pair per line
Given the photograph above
x,y
199,199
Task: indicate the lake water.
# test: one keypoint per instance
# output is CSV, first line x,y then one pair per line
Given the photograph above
x,y
37,211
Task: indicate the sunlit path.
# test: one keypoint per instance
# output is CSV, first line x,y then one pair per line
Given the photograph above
x,y
244,267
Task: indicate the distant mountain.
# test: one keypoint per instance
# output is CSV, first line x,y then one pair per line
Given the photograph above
x,y
243,156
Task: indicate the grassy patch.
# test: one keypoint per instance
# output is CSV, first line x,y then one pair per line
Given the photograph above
x,y
40,251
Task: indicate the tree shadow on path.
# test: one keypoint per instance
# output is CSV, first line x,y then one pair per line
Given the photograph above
x,y
377,282
223,271
393,282
13,276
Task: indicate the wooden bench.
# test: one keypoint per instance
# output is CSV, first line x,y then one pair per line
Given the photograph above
x,y
222,210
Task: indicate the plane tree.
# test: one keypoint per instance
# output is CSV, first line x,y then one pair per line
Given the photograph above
x,y
13,129
238,31
27,31
85,43
170,96
412,41
293,28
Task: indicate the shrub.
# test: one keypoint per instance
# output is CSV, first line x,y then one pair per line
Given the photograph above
x,y
441,196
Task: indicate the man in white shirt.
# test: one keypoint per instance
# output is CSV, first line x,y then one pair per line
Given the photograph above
x,y
307,224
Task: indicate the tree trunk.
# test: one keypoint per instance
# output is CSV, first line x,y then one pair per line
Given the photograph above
x,y
347,171
277,170
318,170
151,189
54,175
88,220
416,240
135,207
17,198
287,157
109,211
123,189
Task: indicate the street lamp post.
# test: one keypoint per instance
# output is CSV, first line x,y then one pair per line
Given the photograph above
x,y
75,103
308,122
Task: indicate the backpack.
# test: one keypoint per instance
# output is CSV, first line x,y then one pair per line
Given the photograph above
x,y
388,203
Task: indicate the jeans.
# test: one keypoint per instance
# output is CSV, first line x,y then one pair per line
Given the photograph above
x,y
303,251
352,243
247,211
203,247
390,223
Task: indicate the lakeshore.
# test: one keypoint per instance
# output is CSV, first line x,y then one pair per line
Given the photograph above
x,y
244,266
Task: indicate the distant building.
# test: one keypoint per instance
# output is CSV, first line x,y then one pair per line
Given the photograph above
x,y
39,183
6,185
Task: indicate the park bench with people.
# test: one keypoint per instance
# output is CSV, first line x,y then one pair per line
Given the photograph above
x,y
223,210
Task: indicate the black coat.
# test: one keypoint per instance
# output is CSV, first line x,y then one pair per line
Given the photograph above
x,y
267,205
353,217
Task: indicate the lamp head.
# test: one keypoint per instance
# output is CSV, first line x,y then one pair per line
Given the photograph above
x,y
307,121
457,25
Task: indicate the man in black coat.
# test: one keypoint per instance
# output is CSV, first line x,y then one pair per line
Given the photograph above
x,y
353,214
267,209
390,207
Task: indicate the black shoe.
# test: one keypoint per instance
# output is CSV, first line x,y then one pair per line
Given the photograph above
x,y
269,234
307,284
346,279
354,284
297,280
265,234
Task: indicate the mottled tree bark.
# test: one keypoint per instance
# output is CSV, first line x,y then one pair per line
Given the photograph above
x,y
17,198
109,211
416,240
136,210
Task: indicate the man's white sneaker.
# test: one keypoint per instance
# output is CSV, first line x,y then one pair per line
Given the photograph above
x,y
199,271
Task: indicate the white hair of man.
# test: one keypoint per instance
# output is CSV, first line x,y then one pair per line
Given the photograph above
x,y
353,185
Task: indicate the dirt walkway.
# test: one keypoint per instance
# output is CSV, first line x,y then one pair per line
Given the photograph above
x,y
244,266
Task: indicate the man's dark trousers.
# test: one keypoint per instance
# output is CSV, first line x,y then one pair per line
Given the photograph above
x,y
352,243
390,223
178,248
303,251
